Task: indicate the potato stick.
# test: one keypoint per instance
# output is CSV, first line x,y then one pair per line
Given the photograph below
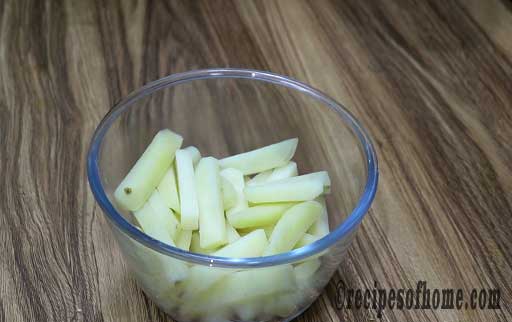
x,y
258,216
237,180
147,172
306,240
212,223
250,245
229,194
169,190
286,171
268,157
203,277
187,191
321,227
292,226
231,233
194,154
163,213
259,178
195,245
290,189
183,239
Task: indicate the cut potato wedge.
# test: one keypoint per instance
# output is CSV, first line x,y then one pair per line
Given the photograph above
x,y
283,192
307,276
231,233
287,171
236,178
245,231
259,178
304,272
147,172
203,277
157,227
306,240
258,216
195,245
262,159
320,175
292,226
212,223
268,230
248,286
187,190
301,188
156,272
195,155
250,245
183,239
321,227
162,213
247,311
156,223
169,190
229,194
282,305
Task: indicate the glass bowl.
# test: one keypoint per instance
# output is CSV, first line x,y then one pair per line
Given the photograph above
x,y
224,112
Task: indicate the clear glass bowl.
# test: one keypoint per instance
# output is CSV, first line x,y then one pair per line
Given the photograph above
x,y
224,112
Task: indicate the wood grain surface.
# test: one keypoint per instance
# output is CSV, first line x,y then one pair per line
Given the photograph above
x,y
430,80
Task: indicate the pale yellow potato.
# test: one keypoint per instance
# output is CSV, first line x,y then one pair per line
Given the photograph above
x,y
244,287
258,216
189,207
231,233
292,226
156,223
286,171
259,178
268,230
195,245
306,240
282,305
305,273
229,194
301,188
183,239
157,226
212,223
249,310
320,227
163,214
262,159
203,277
168,189
145,175
250,245
195,155
237,180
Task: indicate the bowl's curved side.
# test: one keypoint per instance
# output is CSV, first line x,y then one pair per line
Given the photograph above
x,y
318,246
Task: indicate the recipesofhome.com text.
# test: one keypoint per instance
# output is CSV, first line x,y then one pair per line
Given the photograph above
x,y
419,298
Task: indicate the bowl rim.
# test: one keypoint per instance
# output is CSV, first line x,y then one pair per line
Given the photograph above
x,y
355,217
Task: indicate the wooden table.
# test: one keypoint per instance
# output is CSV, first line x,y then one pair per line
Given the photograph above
x,y
431,80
